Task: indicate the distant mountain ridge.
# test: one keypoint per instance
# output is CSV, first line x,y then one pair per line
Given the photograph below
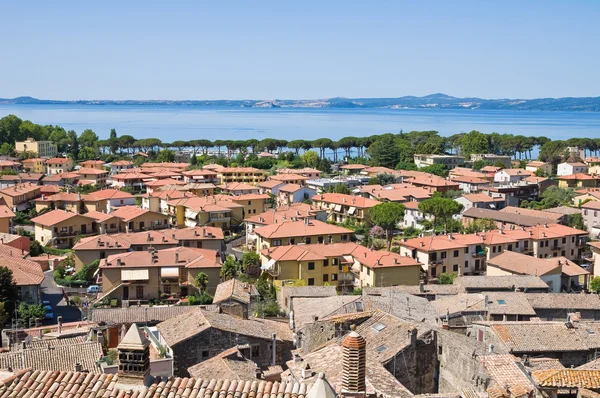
x,y
432,101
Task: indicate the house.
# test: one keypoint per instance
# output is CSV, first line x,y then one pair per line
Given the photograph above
x,y
344,265
586,194
73,202
556,306
253,203
198,335
514,194
450,161
593,163
19,196
505,160
470,184
34,165
296,232
376,170
305,172
591,217
479,201
534,166
59,165
120,166
92,176
238,188
216,211
435,184
511,176
92,164
552,216
159,200
200,176
61,228
61,179
511,263
156,274
136,219
595,248
325,184
135,181
505,283
41,148
568,168
6,216
294,193
286,294
579,180
114,198
290,178
246,175
459,310
204,237
352,168
455,253
400,193
8,180
270,186
234,297
413,217
341,207
267,155
28,277
156,185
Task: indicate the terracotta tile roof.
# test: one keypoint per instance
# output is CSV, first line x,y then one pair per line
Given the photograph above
x,y
568,378
87,170
99,216
225,170
54,217
479,198
34,160
61,196
434,182
172,165
469,180
49,189
380,170
506,282
128,213
347,200
197,320
195,233
20,189
499,303
237,186
232,290
270,184
593,205
305,170
552,217
516,172
378,259
102,242
230,365
163,182
282,213
578,176
6,212
505,216
250,196
288,177
536,164
522,264
122,163
309,252
131,176
25,272
199,172
186,257
58,160
505,371
353,167
300,228
490,169
543,364
441,242
169,194
576,164
290,188
55,357
154,314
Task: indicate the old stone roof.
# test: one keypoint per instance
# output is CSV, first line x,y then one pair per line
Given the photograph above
x,y
506,372
305,308
498,303
308,291
523,264
232,290
507,282
196,320
543,364
547,336
55,357
25,272
118,316
415,290
566,301
55,384
230,365
567,378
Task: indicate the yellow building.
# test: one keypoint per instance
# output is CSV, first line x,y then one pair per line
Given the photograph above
x,y
248,175
6,216
341,207
344,265
299,232
135,219
42,148
215,211
60,228
167,273
92,176
253,203
579,180
35,165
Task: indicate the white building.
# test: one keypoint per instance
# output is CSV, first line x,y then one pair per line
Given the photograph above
x,y
568,168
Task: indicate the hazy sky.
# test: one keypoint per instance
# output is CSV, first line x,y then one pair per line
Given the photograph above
x,y
298,49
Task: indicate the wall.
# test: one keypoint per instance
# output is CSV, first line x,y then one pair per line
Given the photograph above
x,y
390,276
213,275
5,224
149,220
84,257
263,243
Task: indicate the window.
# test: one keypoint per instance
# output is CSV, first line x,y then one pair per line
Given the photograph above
x,y
335,261
102,254
526,244
595,213
466,264
255,351
585,212
432,257
455,253
325,278
139,292
443,255
433,272
564,240
249,203
326,262
455,267
307,240
378,327
334,277
320,239
167,289
499,249
509,248
494,249
517,245
368,271
311,266
444,269
292,241
311,281
466,250
205,354
573,239
562,253
344,238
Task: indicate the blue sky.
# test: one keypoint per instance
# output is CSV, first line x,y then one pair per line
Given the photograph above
x,y
298,49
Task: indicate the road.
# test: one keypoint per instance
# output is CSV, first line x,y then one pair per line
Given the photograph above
x,y
54,294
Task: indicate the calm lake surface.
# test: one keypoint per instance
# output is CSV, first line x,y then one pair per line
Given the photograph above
x,y
174,122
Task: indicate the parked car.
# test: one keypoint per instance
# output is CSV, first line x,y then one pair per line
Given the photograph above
x,y
94,289
49,312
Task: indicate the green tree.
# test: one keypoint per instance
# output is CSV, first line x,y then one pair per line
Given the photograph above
x,y
576,221
310,159
201,282
446,279
28,313
474,142
229,269
72,144
10,129
384,151
387,215
88,139
8,286
480,225
440,208
113,141
383,179
166,155
251,263
6,149
436,169
595,285
4,316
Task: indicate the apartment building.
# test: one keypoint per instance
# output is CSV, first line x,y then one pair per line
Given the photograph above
x,y
253,203
9,180
92,176
568,168
215,211
115,198
512,263
120,166
341,207
167,183
247,175
59,165
294,193
42,148
400,193
305,172
134,180
200,176
158,201
270,186
470,184
479,201
34,165
413,217
60,228
591,217
593,163
511,176
158,274
61,179
450,161
535,165
299,232
6,216
92,164
579,180
73,202
346,266
290,178
434,183
19,197
136,219
492,158
238,188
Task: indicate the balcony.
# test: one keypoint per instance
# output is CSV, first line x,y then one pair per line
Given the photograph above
x,y
72,234
478,254
218,219
555,247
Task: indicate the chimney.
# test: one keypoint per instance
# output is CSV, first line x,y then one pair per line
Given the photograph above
x,y
412,337
258,373
354,363
491,349
274,350
78,367
59,322
176,258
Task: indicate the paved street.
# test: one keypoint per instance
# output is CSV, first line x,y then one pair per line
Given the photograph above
x,y
54,294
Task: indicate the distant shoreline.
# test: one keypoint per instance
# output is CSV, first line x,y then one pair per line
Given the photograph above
x,y
434,101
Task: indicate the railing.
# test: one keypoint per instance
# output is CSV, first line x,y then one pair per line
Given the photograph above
x,y
555,247
479,254
65,234
219,219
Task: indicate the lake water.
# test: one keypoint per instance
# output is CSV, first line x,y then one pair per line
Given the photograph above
x,y
170,123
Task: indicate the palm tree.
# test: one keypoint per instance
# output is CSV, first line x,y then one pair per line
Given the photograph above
x,y
201,282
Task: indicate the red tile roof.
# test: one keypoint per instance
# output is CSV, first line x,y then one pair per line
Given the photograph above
x,y
348,200
55,216
300,228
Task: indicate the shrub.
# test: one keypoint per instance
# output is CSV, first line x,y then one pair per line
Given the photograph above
x,y
202,299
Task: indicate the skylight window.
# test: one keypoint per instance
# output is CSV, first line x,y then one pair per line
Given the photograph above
x,y
379,327
502,302
381,348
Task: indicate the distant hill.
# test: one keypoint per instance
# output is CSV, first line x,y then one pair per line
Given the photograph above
x,y
433,101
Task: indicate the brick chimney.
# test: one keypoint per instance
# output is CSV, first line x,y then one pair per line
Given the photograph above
x,y
354,364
